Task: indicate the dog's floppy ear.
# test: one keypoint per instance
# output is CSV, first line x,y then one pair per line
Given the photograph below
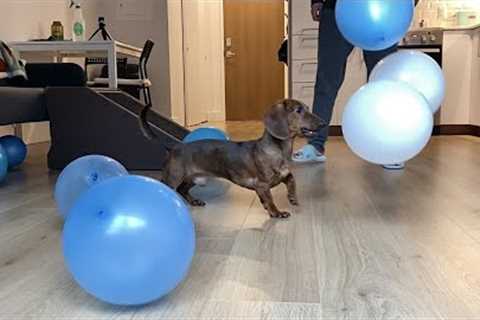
x,y
276,122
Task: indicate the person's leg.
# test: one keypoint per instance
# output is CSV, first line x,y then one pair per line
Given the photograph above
x,y
373,57
333,52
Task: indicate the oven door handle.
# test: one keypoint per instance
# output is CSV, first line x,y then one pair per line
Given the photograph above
x,y
428,50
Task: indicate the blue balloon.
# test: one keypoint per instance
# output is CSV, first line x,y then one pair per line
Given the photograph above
x,y
210,189
15,149
129,240
374,24
81,175
3,164
206,134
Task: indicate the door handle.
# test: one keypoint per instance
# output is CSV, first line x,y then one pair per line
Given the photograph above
x,y
230,54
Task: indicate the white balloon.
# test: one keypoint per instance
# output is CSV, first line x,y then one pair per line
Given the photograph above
x,y
387,122
418,70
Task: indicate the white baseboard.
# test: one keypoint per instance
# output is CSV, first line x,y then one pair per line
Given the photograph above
x,y
6,130
179,121
36,132
32,132
216,116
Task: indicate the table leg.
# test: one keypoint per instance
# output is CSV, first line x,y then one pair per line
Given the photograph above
x,y
112,68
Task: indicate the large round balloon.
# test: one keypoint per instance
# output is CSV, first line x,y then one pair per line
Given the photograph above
x,y
374,24
416,69
82,174
129,240
15,149
209,133
387,122
3,164
211,188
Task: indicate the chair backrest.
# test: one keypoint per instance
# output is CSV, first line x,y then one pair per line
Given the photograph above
x,y
89,61
147,50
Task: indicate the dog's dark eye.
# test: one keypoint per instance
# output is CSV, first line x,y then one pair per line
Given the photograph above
x,y
299,110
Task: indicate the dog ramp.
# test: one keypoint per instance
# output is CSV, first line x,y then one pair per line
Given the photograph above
x,y
85,121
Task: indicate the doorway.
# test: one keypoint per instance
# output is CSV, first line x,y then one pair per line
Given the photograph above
x,y
254,78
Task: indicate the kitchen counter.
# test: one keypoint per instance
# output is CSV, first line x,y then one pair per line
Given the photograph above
x,y
465,28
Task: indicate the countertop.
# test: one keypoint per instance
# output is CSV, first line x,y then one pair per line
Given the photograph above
x,y
465,28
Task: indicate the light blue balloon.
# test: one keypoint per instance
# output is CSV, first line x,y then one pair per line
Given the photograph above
x,y
129,240
81,175
374,24
387,122
416,69
211,188
206,134
3,164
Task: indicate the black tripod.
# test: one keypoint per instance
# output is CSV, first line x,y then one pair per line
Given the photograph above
x,y
102,28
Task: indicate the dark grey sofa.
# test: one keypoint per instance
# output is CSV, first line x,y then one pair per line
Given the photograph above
x,y
86,121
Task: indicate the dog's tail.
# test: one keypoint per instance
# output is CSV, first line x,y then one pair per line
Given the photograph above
x,y
144,125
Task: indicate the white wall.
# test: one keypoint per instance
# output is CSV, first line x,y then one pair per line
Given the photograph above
x,y
138,21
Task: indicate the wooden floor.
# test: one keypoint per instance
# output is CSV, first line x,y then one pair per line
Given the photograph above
x,y
365,243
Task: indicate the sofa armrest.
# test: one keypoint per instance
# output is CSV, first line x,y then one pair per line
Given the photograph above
x,y
21,105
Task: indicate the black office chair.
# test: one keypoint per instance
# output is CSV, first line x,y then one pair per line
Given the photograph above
x,y
142,82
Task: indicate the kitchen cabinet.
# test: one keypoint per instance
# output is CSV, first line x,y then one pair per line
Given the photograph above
x,y
303,61
457,68
461,65
475,84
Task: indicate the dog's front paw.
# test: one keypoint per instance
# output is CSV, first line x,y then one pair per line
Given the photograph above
x,y
197,203
293,201
280,215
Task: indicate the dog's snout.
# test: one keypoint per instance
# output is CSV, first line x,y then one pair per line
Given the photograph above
x,y
314,122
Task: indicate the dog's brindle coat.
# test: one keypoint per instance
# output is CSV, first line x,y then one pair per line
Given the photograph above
x,y
257,165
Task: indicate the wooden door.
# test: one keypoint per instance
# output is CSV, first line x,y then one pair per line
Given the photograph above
x,y
254,31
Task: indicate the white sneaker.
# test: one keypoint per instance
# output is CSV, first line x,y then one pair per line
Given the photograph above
x,y
308,154
395,166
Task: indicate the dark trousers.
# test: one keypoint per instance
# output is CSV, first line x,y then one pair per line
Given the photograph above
x,y
333,52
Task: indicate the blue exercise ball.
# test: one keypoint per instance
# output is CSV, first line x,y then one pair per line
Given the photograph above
x,y
3,164
416,69
15,149
209,133
374,25
387,122
81,175
129,240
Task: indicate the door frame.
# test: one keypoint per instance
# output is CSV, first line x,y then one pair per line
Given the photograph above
x,y
177,64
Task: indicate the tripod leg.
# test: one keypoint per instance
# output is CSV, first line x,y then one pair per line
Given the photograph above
x,y
94,34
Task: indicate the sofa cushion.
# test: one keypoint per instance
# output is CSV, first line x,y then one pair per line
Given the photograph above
x,y
20,105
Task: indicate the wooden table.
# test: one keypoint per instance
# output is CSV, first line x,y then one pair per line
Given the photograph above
x,y
62,49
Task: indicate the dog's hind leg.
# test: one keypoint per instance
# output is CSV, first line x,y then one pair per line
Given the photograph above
x,y
184,190
289,182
